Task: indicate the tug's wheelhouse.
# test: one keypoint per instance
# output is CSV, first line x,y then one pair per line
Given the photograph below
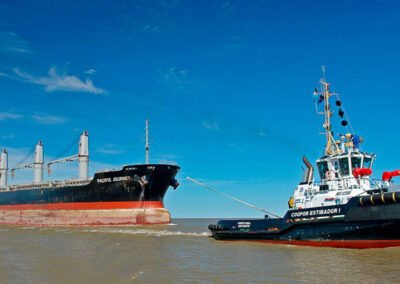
x,y
343,165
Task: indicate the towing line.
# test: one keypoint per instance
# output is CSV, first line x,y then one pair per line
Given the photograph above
x,y
234,198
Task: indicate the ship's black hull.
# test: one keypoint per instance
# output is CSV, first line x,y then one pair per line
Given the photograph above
x,y
353,225
123,185
133,195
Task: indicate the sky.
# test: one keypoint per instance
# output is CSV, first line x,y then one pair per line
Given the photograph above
x,y
226,85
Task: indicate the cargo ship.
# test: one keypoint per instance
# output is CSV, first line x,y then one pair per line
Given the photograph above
x,y
346,208
131,195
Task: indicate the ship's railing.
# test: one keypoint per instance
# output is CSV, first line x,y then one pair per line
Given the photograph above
x,y
50,184
108,170
344,180
378,183
348,183
168,162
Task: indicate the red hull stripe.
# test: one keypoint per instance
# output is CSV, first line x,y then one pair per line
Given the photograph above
x,y
355,244
86,205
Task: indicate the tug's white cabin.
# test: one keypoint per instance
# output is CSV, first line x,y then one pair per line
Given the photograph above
x,y
338,182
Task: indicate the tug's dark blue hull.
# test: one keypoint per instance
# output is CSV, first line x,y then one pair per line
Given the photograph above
x,y
366,222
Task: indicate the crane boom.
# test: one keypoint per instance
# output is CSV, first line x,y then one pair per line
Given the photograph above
x,y
22,167
66,159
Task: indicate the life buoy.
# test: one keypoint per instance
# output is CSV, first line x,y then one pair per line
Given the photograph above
x,y
329,175
290,202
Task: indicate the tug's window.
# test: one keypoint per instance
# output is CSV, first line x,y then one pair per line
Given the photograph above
x,y
344,166
367,162
355,162
322,169
336,165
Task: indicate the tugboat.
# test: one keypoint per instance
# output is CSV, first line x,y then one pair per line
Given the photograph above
x,y
346,208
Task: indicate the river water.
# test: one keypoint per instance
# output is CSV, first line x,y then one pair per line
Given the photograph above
x,y
181,252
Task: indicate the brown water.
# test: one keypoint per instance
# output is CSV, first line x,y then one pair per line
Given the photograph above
x,y
177,253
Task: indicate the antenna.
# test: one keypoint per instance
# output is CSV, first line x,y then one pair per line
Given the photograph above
x,y
147,142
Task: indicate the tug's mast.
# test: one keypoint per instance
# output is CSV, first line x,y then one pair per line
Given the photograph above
x,y
147,142
325,94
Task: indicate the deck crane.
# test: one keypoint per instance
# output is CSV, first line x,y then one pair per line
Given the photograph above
x,y
82,157
37,164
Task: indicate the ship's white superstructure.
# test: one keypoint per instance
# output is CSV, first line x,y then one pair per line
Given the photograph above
x,y
338,181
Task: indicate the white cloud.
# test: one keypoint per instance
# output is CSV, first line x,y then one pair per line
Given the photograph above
x,y
213,126
90,72
151,28
11,43
4,75
56,82
9,136
225,5
49,119
178,79
110,149
6,115
235,42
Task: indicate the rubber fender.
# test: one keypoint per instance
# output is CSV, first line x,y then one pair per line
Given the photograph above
x,y
377,199
390,197
397,197
365,200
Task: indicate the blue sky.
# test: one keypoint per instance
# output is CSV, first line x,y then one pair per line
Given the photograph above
x,y
227,87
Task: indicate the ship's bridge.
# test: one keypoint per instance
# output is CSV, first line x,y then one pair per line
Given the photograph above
x,y
343,165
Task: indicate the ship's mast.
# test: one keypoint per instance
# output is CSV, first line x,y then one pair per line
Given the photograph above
x,y
326,94
147,142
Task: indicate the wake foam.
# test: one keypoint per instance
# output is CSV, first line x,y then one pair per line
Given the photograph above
x,y
149,232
